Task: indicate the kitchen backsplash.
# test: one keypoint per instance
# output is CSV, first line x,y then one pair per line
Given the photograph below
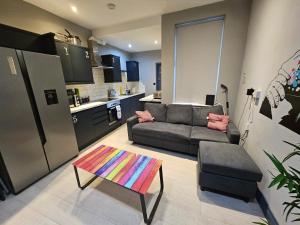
x,y
99,88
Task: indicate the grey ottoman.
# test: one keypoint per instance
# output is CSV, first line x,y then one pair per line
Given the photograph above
x,y
227,168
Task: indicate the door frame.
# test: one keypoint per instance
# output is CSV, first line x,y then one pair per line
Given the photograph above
x,y
157,67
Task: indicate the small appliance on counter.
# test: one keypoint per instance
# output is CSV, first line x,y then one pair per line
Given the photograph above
x,y
84,99
157,95
74,98
111,93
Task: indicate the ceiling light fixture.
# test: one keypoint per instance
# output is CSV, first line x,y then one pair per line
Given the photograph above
x,y
111,6
74,8
129,45
156,42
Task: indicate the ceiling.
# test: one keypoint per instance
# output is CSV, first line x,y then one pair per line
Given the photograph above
x,y
142,39
95,15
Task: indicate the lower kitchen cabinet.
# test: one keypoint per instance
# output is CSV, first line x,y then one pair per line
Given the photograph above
x,y
92,124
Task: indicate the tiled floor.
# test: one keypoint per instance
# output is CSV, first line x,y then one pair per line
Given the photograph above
x,y
56,199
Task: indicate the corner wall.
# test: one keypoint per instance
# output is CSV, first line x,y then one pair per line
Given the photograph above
x,y
273,37
236,24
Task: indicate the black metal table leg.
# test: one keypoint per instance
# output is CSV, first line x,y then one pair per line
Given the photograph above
x,y
78,181
143,204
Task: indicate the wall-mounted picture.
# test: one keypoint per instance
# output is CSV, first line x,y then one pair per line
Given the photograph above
x,y
282,100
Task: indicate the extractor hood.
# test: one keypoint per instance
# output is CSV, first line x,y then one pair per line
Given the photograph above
x,y
95,53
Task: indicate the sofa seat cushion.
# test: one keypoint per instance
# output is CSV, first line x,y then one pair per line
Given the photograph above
x,y
162,130
227,160
206,134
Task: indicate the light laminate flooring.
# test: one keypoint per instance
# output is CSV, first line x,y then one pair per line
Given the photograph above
x,y
56,199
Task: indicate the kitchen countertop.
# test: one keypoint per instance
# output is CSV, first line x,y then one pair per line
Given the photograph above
x,y
150,98
96,103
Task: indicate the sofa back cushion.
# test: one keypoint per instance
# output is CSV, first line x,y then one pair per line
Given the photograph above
x,y
158,111
200,114
180,114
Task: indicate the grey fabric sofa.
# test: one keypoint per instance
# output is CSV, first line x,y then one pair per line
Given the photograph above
x,y
179,128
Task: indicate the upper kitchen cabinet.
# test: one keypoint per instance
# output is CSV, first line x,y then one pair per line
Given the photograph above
x,y
81,64
133,73
113,74
76,63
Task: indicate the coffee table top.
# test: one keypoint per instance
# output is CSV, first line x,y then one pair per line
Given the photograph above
x,y
133,171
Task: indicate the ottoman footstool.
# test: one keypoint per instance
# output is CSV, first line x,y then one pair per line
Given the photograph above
x,y
227,168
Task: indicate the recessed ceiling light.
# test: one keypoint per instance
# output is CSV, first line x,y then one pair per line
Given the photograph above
x,y
111,6
74,8
129,45
156,42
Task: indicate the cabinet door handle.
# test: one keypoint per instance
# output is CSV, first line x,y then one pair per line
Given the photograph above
x,y
87,55
66,49
75,120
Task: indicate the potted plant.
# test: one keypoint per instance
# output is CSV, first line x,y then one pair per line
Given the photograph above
x,y
289,178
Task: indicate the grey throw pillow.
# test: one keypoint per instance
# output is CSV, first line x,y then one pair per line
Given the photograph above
x,y
200,113
158,111
180,114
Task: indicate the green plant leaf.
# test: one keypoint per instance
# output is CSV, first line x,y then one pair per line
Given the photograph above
x,y
291,155
263,222
295,170
282,182
276,163
296,146
290,186
276,180
290,206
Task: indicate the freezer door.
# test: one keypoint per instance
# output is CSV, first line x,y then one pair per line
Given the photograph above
x,y
20,144
48,85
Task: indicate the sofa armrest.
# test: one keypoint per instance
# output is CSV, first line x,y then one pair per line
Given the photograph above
x,y
130,123
233,133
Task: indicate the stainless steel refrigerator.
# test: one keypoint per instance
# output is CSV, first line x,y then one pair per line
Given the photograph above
x,y
36,130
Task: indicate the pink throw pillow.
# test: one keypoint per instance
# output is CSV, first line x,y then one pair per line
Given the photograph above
x,y
215,117
217,122
144,116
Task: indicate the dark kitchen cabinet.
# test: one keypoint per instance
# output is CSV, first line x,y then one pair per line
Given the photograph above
x,y
90,125
63,51
81,64
75,62
112,74
133,73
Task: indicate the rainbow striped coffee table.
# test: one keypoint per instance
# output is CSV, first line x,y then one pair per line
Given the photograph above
x,y
129,170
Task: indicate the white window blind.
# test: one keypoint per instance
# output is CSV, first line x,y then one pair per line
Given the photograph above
x,y
197,60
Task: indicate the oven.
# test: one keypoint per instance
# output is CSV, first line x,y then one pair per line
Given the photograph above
x,y
114,112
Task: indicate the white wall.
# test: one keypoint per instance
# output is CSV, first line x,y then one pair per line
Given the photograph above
x,y
273,37
147,63
236,24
